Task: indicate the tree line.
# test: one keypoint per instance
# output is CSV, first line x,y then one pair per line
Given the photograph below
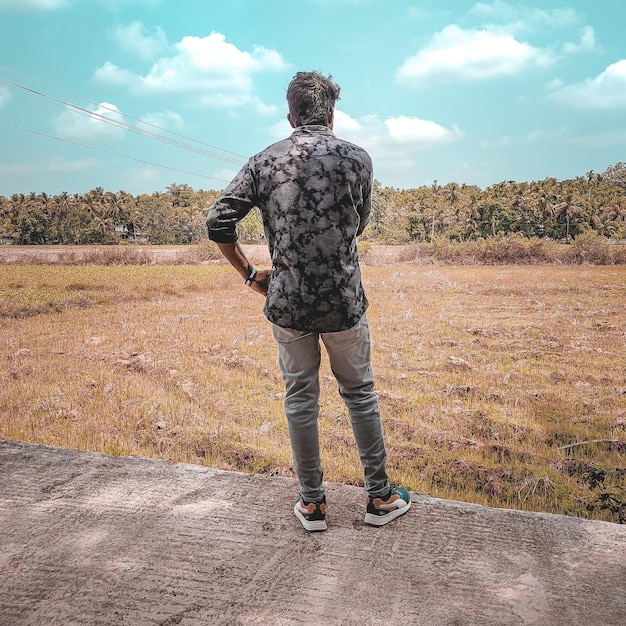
x,y
553,209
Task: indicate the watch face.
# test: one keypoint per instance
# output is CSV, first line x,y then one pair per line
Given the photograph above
x,y
251,277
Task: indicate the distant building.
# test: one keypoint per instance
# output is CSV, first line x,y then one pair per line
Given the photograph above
x,y
134,236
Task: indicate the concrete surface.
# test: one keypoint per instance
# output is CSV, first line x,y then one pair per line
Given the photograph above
x,y
93,539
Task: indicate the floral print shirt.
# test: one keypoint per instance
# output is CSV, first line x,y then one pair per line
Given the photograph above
x,y
314,194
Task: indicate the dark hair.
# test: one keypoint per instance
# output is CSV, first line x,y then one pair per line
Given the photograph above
x,y
311,98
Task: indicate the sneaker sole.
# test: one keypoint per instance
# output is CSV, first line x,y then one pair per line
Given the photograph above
x,y
381,520
314,526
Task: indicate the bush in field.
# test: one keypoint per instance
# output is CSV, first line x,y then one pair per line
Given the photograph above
x,y
590,248
498,250
202,252
516,249
116,255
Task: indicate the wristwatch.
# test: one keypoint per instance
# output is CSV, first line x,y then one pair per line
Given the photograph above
x,y
251,277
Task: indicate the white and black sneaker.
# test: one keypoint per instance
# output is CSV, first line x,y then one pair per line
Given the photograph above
x,y
312,515
381,511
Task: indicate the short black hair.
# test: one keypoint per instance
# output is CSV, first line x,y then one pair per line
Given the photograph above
x,y
311,97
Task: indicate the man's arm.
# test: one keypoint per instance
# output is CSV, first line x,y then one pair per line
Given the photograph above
x,y
257,280
231,207
366,208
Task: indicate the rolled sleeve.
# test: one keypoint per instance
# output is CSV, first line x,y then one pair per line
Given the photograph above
x,y
366,208
231,207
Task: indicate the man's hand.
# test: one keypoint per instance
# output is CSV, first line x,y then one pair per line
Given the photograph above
x,y
261,281
236,257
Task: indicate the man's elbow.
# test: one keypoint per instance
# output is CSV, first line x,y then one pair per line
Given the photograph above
x,y
219,235
218,231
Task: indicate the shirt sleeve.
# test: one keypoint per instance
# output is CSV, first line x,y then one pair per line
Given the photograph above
x,y
235,202
366,207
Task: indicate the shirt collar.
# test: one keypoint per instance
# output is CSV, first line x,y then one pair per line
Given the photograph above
x,y
313,129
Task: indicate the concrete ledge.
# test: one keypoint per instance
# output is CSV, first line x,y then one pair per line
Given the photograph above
x,y
94,539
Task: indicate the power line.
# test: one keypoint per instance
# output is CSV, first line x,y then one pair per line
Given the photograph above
x,y
229,156
124,156
115,122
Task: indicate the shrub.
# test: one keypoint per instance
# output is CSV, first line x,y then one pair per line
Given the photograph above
x,y
590,249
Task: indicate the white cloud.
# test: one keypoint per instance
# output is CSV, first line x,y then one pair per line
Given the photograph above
x,y
225,174
497,47
587,42
33,5
218,72
395,144
5,96
605,91
506,19
164,119
263,108
135,38
456,53
497,9
93,125
412,130
396,133
110,74
281,129
346,124
520,18
554,84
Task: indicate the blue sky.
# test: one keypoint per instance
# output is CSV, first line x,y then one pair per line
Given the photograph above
x,y
475,93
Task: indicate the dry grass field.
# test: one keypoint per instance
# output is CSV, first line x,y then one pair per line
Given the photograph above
x,y
501,385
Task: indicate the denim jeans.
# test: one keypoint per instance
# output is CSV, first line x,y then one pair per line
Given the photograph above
x,y
299,356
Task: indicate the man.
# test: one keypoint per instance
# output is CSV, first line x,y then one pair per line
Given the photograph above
x,y
314,194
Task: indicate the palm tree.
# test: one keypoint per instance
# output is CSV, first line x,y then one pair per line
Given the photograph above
x,y
48,207
379,209
453,193
436,209
611,221
98,210
540,207
63,208
567,207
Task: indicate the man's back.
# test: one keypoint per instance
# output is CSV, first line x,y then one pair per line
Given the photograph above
x,y
314,193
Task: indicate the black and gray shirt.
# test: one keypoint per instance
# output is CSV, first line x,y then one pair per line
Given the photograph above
x,y
314,194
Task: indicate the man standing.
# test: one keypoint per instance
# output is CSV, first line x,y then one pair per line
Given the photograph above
x,y
314,194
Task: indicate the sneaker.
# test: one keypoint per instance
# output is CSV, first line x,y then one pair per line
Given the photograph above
x,y
312,515
381,511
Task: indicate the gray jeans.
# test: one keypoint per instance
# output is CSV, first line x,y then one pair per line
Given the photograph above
x,y
299,356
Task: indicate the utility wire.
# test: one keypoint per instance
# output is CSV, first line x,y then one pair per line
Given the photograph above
x,y
124,156
116,122
34,80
